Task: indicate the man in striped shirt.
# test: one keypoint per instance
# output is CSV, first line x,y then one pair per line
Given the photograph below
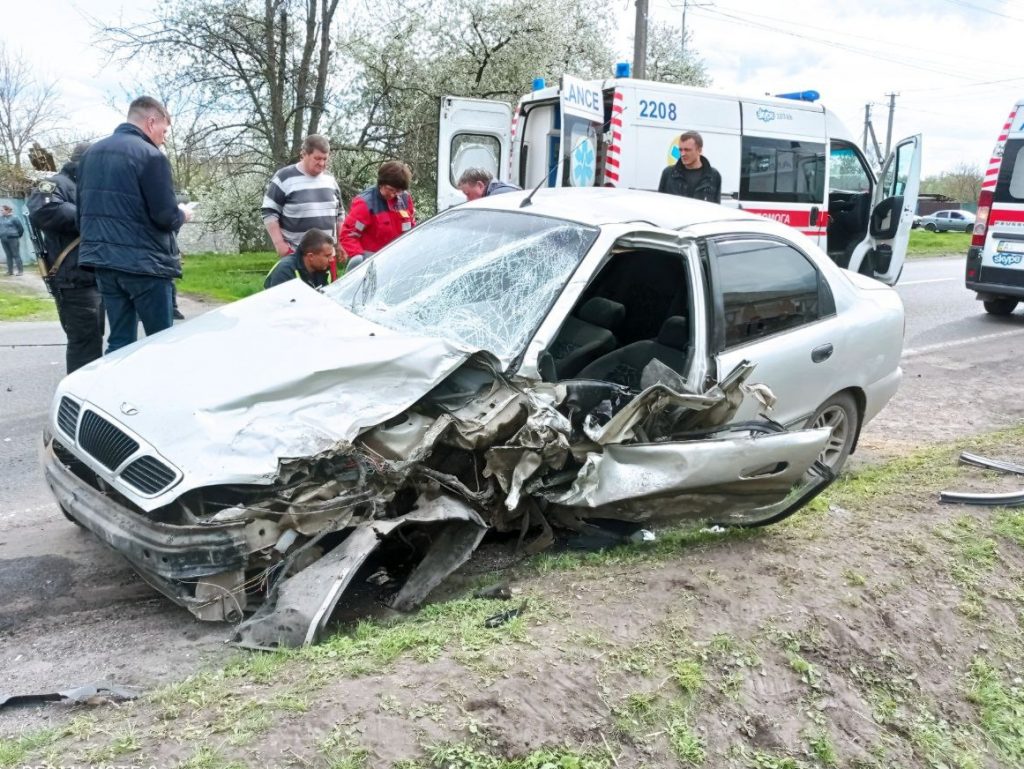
x,y
302,197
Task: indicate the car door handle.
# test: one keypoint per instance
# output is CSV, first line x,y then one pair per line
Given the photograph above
x,y
824,352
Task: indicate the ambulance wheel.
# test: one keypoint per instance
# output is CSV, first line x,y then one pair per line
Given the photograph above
x,y
930,227
1001,306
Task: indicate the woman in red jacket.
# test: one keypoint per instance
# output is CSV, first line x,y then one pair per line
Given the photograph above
x,y
379,214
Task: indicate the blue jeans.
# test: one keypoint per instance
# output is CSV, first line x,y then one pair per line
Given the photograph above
x,y
129,298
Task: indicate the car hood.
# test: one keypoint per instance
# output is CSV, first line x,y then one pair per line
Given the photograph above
x,y
285,373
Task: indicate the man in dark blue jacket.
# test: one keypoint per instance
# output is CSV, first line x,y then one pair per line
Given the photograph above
x,y
52,208
128,217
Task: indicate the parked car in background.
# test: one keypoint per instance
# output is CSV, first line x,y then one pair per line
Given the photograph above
x,y
527,362
956,220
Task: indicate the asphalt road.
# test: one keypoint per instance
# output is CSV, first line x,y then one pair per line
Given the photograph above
x,y
941,312
71,611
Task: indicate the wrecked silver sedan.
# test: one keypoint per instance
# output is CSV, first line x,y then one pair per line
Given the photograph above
x,y
517,365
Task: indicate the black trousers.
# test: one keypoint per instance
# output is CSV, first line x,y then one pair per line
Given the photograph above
x,y
81,316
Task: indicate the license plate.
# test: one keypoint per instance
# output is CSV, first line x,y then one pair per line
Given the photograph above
x,y
1008,253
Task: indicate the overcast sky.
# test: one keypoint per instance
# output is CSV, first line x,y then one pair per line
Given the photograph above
x,y
954,63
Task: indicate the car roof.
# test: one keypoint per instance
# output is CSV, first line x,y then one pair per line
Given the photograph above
x,y
603,205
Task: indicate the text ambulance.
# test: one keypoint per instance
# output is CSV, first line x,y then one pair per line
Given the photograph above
x,y
995,260
787,160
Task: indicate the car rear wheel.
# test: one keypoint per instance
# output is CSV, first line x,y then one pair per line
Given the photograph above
x,y
930,227
839,412
969,228
1000,306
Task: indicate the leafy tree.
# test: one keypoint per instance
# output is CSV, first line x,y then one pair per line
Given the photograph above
x,y
666,61
962,182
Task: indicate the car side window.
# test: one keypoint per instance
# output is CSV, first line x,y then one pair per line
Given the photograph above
x,y
767,287
955,215
942,215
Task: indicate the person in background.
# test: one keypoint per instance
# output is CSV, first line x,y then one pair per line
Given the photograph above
x,y
53,209
11,230
310,262
476,183
692,176
129,217
379,214
301,197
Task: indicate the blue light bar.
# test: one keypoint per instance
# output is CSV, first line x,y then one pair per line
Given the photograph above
x,y
539,84
799,95
623,69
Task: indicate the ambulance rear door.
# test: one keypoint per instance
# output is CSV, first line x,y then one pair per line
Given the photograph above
x,y
471,133
783,165
881,254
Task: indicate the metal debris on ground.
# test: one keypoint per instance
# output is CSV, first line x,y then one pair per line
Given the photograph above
x,y
499,592
1004,499
90,694
501,618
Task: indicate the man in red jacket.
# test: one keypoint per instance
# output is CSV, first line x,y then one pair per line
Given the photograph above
x,y
379,214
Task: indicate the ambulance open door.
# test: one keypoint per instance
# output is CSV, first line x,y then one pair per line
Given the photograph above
x,y
472,133
893,206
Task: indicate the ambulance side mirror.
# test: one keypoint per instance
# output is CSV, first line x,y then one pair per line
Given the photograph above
x,y
885,219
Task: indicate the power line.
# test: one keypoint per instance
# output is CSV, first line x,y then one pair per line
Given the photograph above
x,y
973,7
920,64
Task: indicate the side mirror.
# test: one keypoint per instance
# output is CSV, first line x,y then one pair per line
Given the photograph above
x,y
885,219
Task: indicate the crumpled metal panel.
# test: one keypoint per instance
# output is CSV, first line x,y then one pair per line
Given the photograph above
x,y
765,464
299,607
332,375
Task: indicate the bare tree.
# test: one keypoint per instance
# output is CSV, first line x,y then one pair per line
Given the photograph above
x,y
27,106
962,182
263,65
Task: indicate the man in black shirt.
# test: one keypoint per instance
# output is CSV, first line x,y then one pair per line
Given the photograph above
x,y
309,263
692,176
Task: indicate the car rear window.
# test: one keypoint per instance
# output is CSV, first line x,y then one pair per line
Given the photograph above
x,y
1010,187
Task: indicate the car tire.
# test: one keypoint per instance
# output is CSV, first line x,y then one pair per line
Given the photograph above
x,y
839,412
930,227
1001,306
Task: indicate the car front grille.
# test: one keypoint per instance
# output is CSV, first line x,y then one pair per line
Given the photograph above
x,y
1001,276
148,475
105,441
67,416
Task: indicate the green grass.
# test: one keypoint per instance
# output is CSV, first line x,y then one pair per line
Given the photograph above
x,y
225,277
1001,709
21,303
923,243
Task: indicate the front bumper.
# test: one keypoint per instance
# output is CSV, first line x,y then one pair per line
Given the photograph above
x,y
162,551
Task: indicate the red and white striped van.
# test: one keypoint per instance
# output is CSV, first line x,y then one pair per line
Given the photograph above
x,y
995,260
784,159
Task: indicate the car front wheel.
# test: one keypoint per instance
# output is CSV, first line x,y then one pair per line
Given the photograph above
x,y
930,227
839,412
1001,306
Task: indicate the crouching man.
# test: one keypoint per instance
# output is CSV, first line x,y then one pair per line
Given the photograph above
x,y
310,262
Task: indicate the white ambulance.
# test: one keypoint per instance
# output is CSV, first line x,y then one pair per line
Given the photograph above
x,y
995,260
784,159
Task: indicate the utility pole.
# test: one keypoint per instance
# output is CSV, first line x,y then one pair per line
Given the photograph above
x,y
867,122
888,133
640,41
682,43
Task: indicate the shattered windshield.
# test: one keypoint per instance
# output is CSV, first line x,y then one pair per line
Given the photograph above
x,y
482,278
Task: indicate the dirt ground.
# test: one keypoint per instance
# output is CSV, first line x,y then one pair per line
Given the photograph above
x,y
878,628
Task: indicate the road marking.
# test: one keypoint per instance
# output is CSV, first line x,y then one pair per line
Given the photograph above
x,y
958,343
930,280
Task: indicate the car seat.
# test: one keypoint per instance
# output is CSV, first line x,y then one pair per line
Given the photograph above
x,y
587,336
625,365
